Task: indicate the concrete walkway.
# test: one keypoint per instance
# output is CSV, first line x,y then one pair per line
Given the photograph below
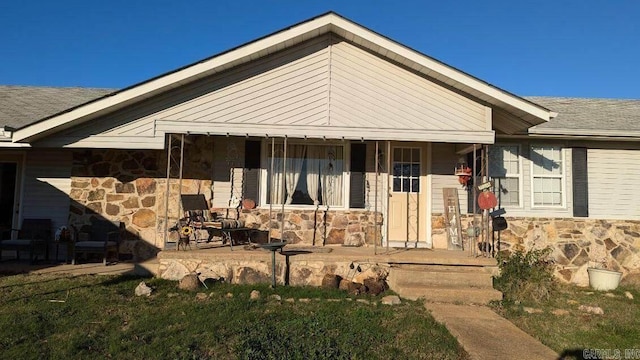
x,y
487,336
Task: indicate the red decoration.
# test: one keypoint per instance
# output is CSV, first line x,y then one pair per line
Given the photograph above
x,y
464,175
487,200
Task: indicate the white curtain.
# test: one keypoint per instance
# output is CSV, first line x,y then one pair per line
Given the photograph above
x,y
294,161
277,192
331,175
314,162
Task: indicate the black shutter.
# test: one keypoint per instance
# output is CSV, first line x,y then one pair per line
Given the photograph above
x,y
358,172
580,183
251,184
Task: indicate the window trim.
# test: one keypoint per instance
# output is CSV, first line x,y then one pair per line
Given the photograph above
x,y
520,176
266,166
562,177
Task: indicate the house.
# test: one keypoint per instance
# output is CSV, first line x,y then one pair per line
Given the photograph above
x,y
339,135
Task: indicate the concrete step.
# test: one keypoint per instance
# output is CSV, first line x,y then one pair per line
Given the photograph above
x,y
450,295
442,277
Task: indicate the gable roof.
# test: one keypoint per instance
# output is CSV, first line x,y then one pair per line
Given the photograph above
x,y
590,117
21,106
530,113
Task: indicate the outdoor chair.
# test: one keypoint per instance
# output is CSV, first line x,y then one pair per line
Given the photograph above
x,y
103,239
33,237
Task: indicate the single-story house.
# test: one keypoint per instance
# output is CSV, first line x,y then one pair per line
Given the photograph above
x,y
338,135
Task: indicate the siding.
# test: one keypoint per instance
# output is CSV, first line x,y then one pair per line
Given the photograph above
x,y
226,172
368,91
324,86
443,163
47,185
613,178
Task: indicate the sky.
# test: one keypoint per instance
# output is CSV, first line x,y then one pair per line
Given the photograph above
x,y
573,48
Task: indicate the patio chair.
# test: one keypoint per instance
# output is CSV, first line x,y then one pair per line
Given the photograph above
x,y
33,237
103,239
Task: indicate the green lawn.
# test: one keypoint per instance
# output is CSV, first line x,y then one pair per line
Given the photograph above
x,y
45,317
618,328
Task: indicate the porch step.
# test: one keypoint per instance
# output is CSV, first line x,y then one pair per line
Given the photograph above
x,y
448,277
445,283
450,295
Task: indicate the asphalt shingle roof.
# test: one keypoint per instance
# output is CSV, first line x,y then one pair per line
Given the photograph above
x,y
24,105
590,114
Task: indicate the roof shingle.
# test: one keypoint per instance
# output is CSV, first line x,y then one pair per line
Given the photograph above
x,y
24,105
590,114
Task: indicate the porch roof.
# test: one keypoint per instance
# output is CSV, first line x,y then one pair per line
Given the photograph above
x,y
527,113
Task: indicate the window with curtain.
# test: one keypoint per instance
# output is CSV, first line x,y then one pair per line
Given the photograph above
x,y
547,175
504,170
311,174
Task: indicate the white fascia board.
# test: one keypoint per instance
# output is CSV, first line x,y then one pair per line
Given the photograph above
x,y
9,144
443,71
585,133
168,126
171,80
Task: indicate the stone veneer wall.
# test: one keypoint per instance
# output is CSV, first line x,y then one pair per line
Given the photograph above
x,y
130,186
577,243
310,227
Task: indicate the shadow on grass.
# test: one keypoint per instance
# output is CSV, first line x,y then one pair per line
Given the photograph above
x,y
108,281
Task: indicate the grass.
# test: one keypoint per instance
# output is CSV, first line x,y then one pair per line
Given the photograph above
x,y
569,334
46,317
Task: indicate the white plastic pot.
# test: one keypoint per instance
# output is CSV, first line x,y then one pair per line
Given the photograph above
x,y
603,279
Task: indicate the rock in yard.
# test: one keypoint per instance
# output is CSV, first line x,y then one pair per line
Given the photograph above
x,y
391,300
331,281
255,295
304,300
190,282
201,296
597,310
275,297
530,310
344,285
143,290
560,312
572,302
229,295
628,295
375,286
611,295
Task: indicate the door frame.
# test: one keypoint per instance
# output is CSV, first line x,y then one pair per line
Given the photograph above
x,y
424,195
19,158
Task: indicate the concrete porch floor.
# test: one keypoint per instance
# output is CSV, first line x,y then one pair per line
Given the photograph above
x,y
417,256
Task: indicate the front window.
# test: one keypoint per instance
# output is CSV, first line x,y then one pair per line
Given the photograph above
x,y
547,175
504,169
309,175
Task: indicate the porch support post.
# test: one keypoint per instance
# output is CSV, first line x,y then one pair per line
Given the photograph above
x,y
474,201
270,186
166,198
388,190
375,205
180,181
284,190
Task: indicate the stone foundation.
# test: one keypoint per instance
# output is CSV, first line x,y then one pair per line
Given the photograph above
x,y
293,271
310,227
577,243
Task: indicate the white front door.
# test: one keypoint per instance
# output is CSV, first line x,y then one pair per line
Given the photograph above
x,y
407,197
